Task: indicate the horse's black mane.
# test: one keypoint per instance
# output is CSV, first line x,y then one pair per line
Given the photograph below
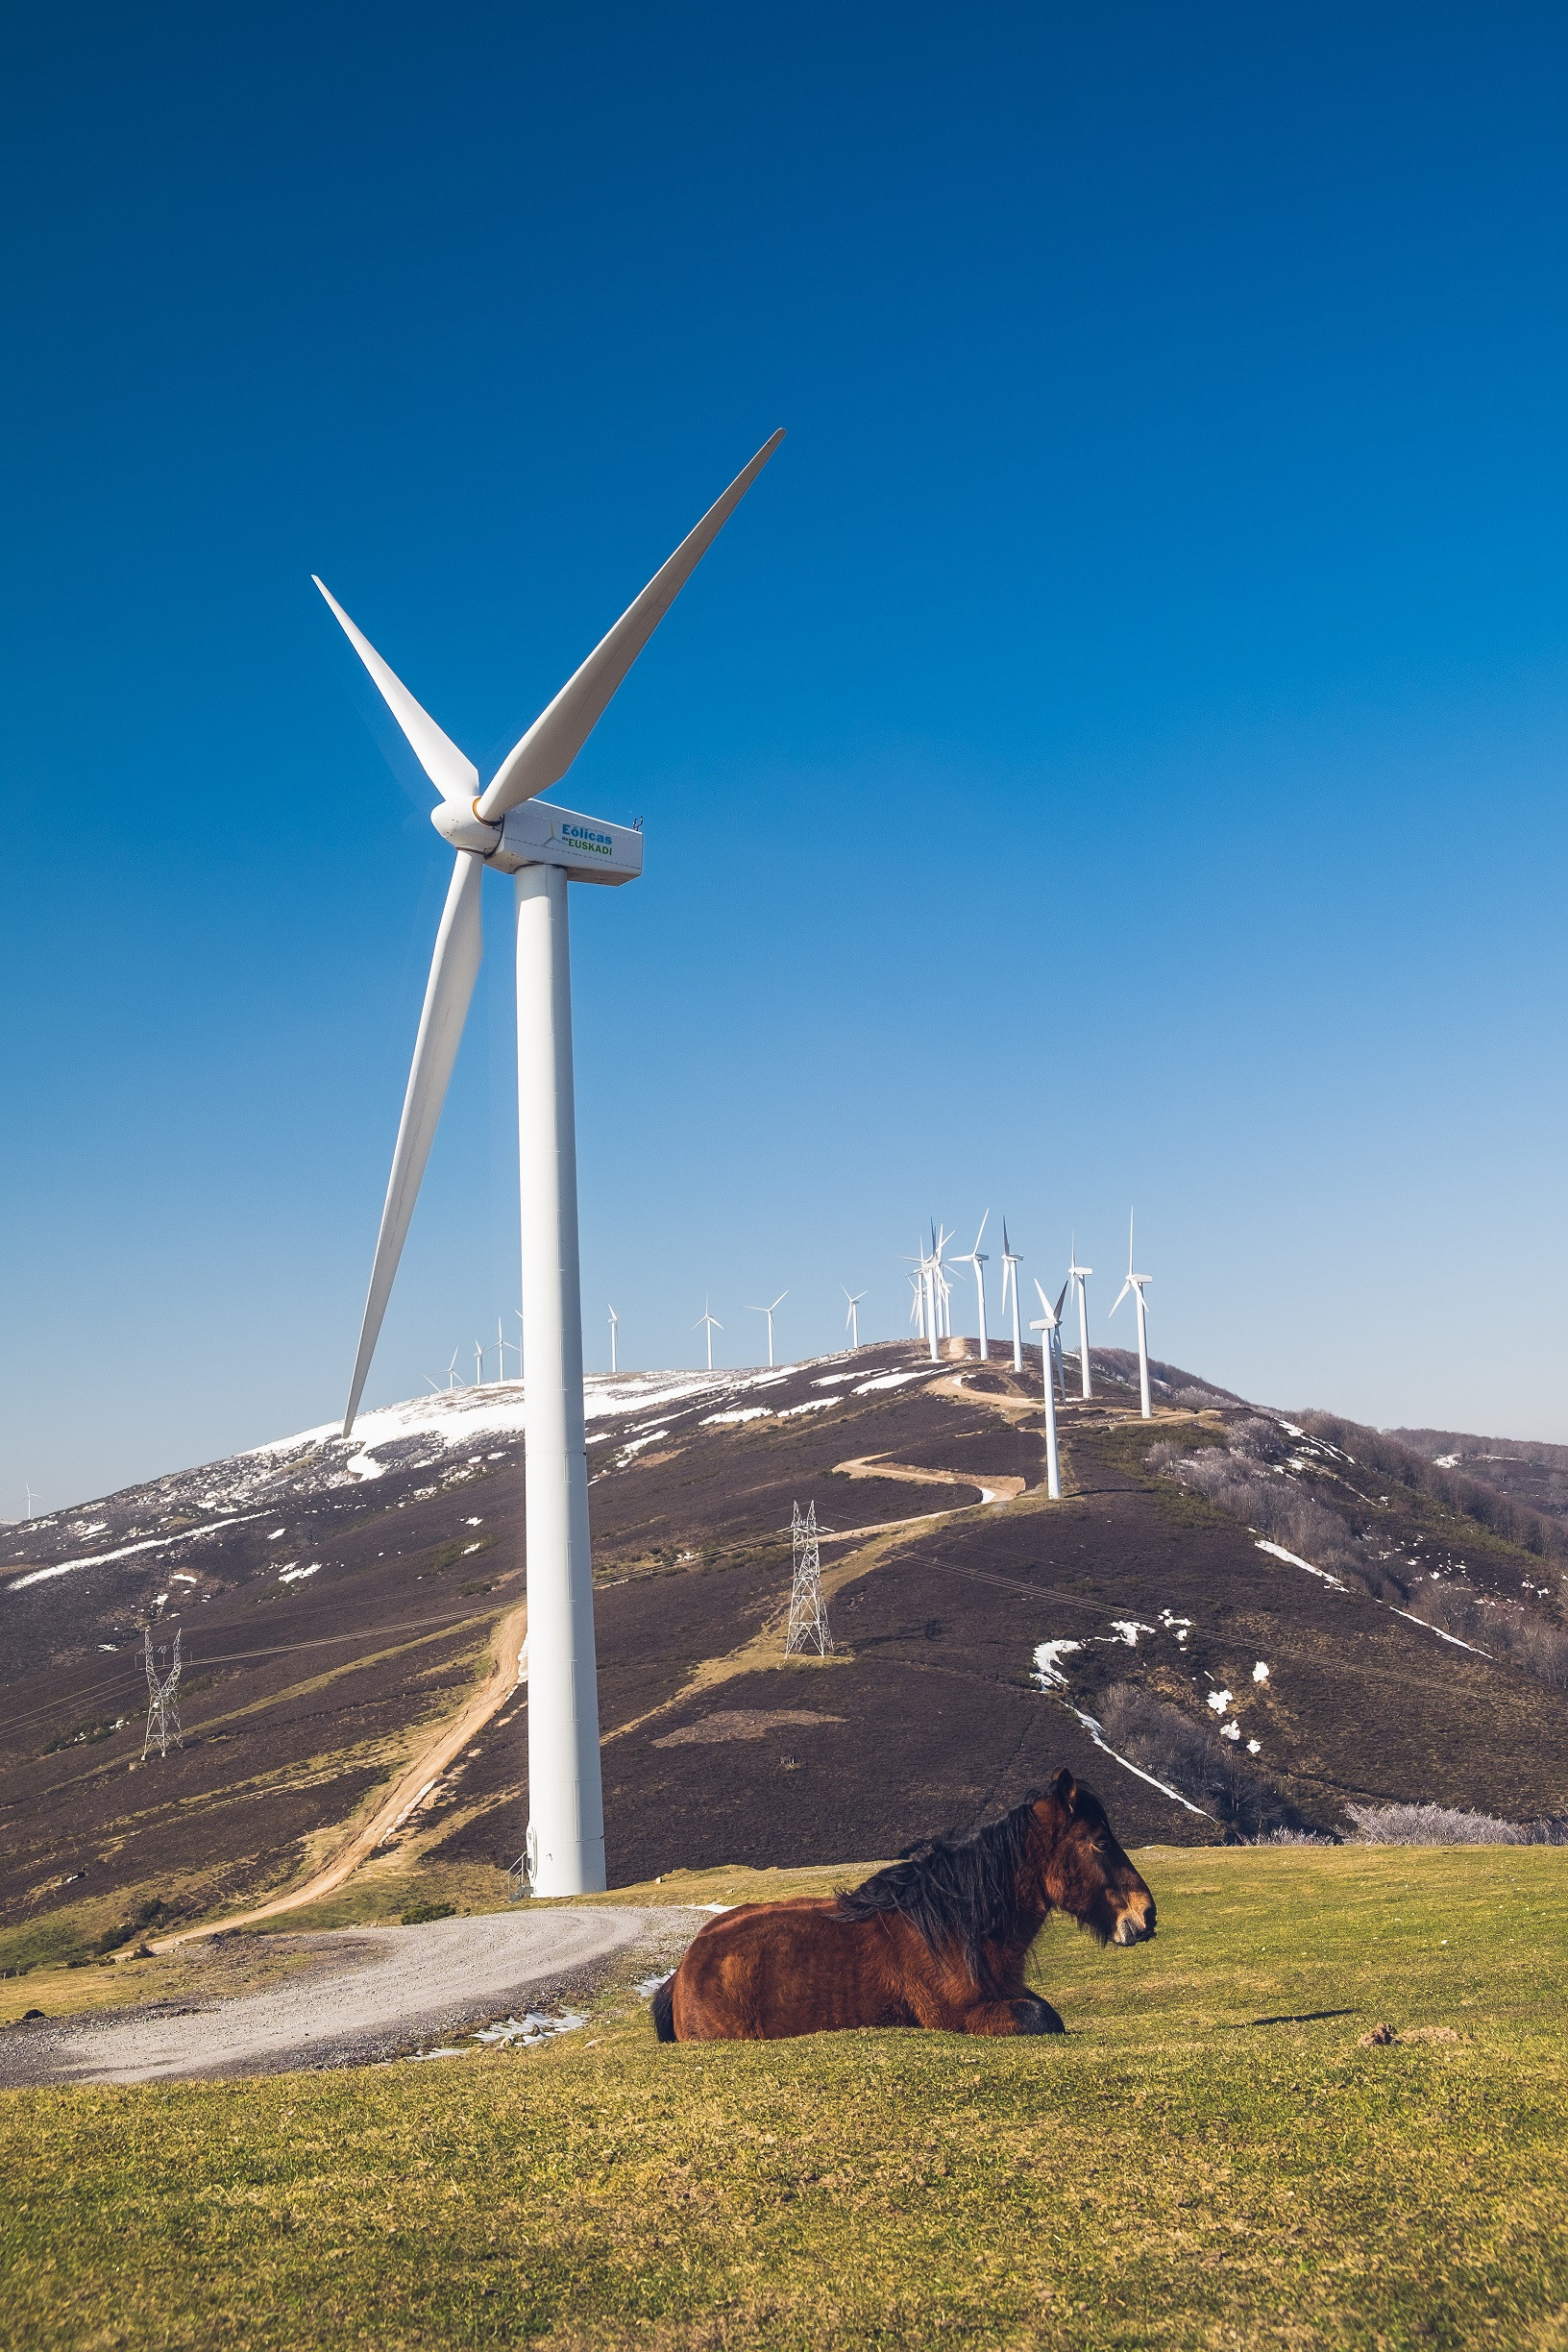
x,y
962,1891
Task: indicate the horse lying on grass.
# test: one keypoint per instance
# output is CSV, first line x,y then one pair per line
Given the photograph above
x,y
937,1940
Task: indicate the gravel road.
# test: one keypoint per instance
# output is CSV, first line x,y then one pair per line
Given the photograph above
x,y
374,1993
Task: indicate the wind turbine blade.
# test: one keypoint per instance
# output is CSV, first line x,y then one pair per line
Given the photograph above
x,y
452,774
558,734
454,970
1059,1297
1122,1294
981,1235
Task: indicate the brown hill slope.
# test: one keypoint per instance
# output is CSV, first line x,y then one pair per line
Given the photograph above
x,y
1529,1473
339,1604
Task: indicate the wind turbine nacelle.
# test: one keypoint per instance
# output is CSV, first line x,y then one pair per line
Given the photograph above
x,y
536,833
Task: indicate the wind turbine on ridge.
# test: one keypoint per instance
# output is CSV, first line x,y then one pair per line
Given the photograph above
x,y
505,825
1079,1276
1012,1260
852,1318
713,1324
979,1259
768,1312
451,1377
1135,1284
615,1325
1047,1324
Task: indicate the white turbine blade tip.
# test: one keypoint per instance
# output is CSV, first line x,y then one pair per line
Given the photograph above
x,y
452,774
544,753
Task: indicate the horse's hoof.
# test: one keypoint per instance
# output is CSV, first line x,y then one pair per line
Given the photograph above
x,y
1035,2016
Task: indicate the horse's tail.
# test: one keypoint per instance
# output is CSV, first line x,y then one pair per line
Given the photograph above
x,y
662,2006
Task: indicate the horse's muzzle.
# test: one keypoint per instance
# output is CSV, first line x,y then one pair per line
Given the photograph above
x,y
1135,1929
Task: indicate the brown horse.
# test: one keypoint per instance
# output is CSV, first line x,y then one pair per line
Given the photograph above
x,y
937,1940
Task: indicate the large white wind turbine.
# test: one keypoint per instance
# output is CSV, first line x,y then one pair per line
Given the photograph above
x,y
713,1324
506,827
1012,1260
1135,1284
768,1311
852,1318
1079,1276
1046,1325
979,1259
615,1325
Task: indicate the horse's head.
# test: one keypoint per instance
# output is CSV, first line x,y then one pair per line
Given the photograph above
x,y
1083,1870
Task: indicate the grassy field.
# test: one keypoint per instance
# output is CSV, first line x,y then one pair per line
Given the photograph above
x,y
1212,2157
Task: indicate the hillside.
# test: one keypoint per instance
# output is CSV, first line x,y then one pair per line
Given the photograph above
x,y
350,1616
1533,1474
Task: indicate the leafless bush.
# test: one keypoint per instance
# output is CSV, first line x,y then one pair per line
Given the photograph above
x,y
1433,1825
1523,1636
1515,1521
1237,1478
1199,1400
1159,1739
1294,1837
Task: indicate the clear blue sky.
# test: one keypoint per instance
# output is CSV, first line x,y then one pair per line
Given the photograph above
x,y
1115,753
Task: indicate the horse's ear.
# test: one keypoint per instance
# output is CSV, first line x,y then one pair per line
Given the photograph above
x,y
1065,1788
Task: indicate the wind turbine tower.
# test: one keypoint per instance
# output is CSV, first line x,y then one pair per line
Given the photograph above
x,y
505,825
1046,1326
615,1324
1012,1260
712,1323
852,1318
979,1259
1135,1284
1079,1276
770,1312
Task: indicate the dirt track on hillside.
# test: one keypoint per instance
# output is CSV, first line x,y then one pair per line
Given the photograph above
x,y
413,1783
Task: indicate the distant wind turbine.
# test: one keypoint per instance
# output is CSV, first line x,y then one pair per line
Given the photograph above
x,y
445,1387
615,1321
479,1363
1056,1356
1079,1276
768,1311
1046,1326
1135,1284
1011,1262
713,1324
32,1498
852,1318
979,1259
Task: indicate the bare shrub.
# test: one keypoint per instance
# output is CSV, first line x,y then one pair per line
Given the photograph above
x,y
1239,1481
1522,1635
1159,1739
1433,1825
1295,1837
1515,1521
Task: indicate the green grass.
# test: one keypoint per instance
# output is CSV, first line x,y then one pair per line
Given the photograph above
x,y
1209,2160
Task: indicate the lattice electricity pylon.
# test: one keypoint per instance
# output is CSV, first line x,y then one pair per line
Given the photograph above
x,y
163,1730
808,1618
